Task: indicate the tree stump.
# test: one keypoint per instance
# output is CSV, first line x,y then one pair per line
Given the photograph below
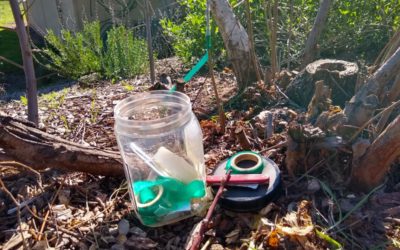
x,y
339,75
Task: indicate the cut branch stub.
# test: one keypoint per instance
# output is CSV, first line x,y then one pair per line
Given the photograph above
x,y
339,75
370,168
242,138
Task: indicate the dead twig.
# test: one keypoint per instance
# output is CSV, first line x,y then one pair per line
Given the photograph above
x,y
382,122
320,163
222,118
18,164
51,223
279,145
199,91
339,87
287,97
4,188
48,211
11,62
204,223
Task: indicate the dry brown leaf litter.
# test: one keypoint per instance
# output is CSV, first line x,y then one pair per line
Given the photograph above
x,y
80,211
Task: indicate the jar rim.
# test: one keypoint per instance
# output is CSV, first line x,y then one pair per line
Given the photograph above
x,y
157,123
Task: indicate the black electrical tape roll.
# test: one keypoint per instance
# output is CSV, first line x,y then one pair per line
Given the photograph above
x,y
249,198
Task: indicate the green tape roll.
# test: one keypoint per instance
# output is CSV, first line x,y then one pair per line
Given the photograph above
x,y
159,198
233,163
147,195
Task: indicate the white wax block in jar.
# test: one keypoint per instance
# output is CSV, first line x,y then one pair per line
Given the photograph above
x,y
174,165
194,146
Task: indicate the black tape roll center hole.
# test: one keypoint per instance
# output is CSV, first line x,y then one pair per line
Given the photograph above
x,y
246,164
246,161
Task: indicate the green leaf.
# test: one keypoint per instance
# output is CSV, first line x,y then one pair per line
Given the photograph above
x,y
344,12
23,100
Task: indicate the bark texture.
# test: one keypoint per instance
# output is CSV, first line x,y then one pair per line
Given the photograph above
x,y
27,59
40,150
394,92
364,103
304,147
338,75
312,40
236,42
370,169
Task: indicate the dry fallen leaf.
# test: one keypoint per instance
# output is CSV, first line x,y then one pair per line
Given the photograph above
x,y
297,223
233,236
273,239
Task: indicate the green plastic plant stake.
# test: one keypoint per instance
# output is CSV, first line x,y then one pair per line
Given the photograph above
x,y
196,68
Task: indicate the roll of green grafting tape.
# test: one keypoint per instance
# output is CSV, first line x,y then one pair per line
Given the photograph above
x,y
148,194
245,162
164,196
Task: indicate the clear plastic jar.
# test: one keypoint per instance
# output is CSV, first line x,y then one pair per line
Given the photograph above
x,y
160,141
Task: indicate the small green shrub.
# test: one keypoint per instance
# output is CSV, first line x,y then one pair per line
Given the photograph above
x,y
75,55
125,56
82,53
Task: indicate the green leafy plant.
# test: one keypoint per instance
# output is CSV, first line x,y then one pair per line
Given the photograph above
x,y
188,35
55,99
94,110
65,121
354,30
78,54
125,56
75,55
128,87
24,100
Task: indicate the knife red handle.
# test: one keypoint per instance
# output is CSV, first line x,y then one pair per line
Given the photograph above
x,y
239,179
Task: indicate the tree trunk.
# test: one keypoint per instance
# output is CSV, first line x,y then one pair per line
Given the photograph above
x,y
236,42
371,168
364,103
29,69
150,42
319,24
40,150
